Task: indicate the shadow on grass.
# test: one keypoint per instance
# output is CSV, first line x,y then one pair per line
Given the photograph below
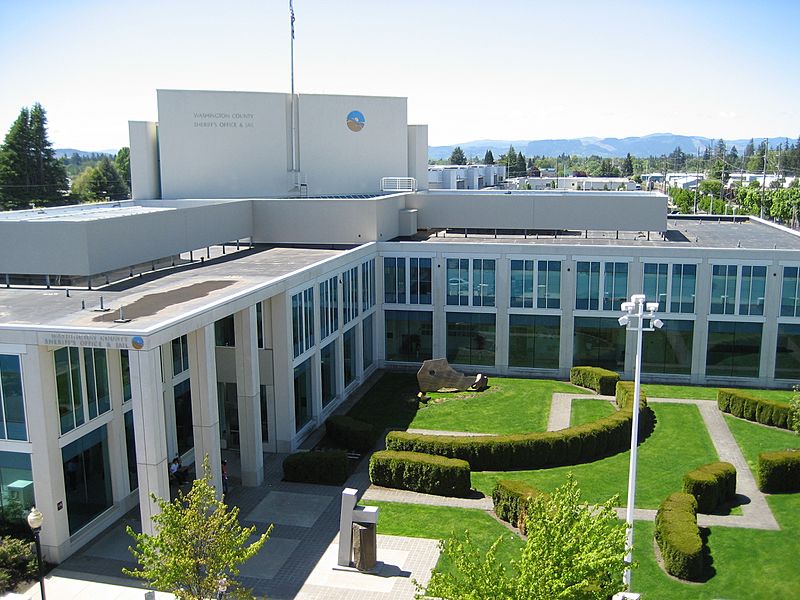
x,y
390,404
709,572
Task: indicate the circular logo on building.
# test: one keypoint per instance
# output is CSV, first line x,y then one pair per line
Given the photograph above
x,y
356,120
137,342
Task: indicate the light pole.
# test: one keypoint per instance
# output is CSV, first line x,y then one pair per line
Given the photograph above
x,y
635,312
35,519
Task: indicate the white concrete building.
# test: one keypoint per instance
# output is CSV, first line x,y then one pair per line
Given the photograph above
x,y
129,333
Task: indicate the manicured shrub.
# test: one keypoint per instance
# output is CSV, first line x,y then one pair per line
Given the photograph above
x,y
779,471
711,485
600,380
420,473
351,434
570,446
678,537
328,467
17,562
747,405
511,500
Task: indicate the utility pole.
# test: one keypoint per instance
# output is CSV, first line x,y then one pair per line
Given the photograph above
x,y
764,178
696,179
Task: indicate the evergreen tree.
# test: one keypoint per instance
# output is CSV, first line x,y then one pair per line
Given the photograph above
x,y
29,170
488,158
627,166
123,163
458,157
520,167
101,182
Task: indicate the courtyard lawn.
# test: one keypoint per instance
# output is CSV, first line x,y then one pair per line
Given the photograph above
x,y
586,410
748,564
754,438
696,392
441,523
679,444
390,403
507,406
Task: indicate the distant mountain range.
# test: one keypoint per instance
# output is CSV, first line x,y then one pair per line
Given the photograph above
x,y
67,152
654,144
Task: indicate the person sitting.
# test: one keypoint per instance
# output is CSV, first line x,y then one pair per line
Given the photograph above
x,y
178,471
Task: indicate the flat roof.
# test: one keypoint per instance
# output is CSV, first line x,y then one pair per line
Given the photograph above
x,y
156,298
682,232
81,212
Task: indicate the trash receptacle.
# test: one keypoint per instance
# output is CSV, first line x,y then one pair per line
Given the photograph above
x,y
365,546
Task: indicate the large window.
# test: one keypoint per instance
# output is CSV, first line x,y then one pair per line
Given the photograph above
x,y
367,285
483,282
81,385
458,281
130,451
183,416
12,404
349,352
655,284
328,371
684,281
615,285
587,286
534,341
751,291
409,335
723,289
180,355
368,355
302,395
349,295
787,355
790,293
477,286
87,478
125,365
544,275
260,324
471,338
16,485
394,280
599,342
224,332
303,321
669,350
420,281
734,349
328,307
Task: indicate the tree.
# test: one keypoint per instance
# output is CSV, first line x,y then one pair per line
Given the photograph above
x,y
101,182
458,157
573,551
199,543
123,163
627,165
29,170
520,166
488,158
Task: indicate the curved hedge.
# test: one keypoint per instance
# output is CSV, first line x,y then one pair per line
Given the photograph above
x,y
678,536
602,381
711,485
574,445
779,471
420,473
327,467
351,433
747,406
511,499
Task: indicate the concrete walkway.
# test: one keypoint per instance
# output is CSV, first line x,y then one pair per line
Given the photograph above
x,y
442,432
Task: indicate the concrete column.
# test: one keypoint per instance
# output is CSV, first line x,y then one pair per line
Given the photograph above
x,y
41,407
567,341
439,283
702,308
502,286
117,451
283,376
769,332
205,406
248,383
150,433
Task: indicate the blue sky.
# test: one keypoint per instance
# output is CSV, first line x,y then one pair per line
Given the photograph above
x,y
471,70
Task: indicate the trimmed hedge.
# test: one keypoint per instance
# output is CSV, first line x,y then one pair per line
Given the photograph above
x,y
602,381
711,485
351,433
779,471
511,500
328,467
420,473
678,536
574,445
748,406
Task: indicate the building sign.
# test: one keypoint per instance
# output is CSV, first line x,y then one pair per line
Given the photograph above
x,y
356,120
92,340
223,120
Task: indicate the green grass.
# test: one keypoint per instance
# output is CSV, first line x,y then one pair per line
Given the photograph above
x,y
390,403
748,564
440,523
697,392
679,444
754,439
587,410
507,406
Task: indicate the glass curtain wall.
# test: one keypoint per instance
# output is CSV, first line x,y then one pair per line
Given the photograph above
x,y
787,355
302,395
130,451
734,349
87,478
471,338
669,350
183,417
12,404
368,354
534,341
16,485
599,342
349,351
328,372
409,335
